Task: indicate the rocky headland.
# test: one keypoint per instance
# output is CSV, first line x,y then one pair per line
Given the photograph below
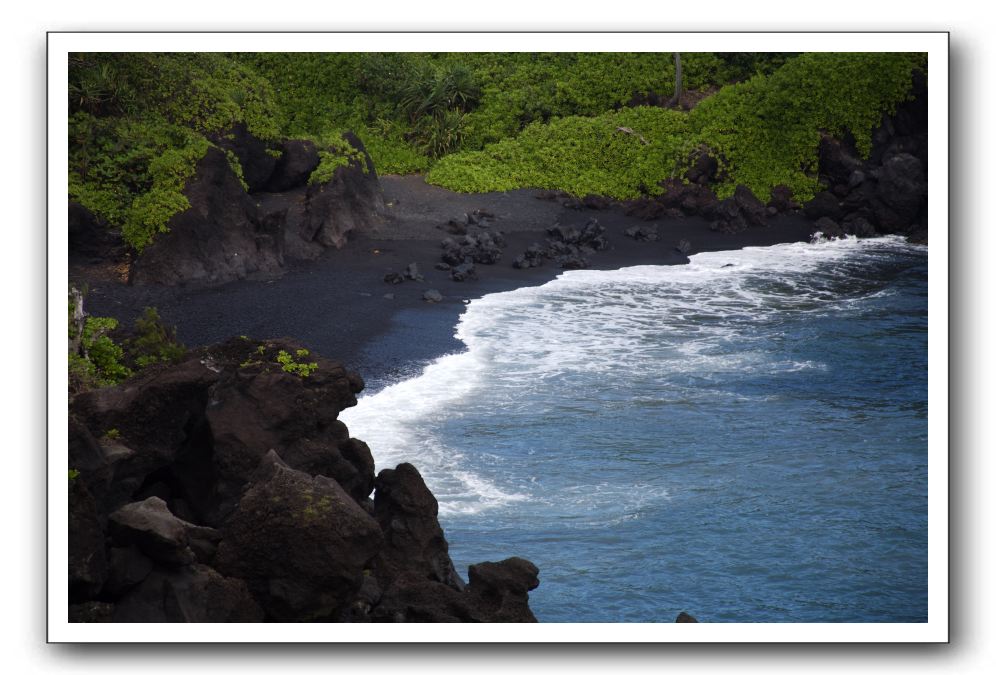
x,y
224,488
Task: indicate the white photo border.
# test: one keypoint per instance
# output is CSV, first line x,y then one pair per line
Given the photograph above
x,y
935,44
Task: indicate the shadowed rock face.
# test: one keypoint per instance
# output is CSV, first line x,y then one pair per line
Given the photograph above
x,y
229,233
232,492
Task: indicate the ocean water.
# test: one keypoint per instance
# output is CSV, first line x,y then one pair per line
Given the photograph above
x,y
743,438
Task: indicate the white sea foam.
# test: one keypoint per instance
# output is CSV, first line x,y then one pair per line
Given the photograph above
x,y
689,321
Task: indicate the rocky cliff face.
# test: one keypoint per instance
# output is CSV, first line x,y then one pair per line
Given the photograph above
x,y
224,488
229,233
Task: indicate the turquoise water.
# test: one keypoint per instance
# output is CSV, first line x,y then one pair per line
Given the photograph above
x,y
743,438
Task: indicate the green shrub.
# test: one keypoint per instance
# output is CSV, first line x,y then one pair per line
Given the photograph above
x,y
620,154
154,342
289,365
96,360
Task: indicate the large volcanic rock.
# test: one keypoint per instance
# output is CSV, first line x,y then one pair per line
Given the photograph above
x,y
300,542
219,238
229,234
230,491
350,200
256,157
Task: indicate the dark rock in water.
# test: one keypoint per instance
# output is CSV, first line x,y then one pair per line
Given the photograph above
x,y
502,589
684,617
187,595
394,278
414,541
463,272
829,228
87,562
823,205
253,154
298,159
781,199
299,541
751,208
150,527
684,247
432,295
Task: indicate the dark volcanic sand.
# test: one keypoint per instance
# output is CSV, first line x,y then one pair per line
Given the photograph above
x,y
336,306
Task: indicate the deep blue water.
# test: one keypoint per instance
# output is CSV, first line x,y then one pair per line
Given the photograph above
x,y
743,438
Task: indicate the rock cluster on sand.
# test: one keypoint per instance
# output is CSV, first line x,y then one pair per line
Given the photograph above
x,y
460,255
229,491
567,246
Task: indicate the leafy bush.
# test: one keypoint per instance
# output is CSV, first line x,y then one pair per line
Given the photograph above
x,y
620,154
154,342
289,365
95,360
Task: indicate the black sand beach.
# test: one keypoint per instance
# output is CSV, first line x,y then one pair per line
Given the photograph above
x,y
340,306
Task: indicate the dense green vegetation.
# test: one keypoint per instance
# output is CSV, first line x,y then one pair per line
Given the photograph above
x,y
99,356
765,131
473,121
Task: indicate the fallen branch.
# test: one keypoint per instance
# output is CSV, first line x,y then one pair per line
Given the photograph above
x,y
627,130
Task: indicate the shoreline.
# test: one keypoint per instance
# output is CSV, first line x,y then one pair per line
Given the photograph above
x,y
336,305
